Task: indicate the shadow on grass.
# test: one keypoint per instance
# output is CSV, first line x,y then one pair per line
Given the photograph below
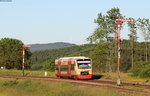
x,y
97,76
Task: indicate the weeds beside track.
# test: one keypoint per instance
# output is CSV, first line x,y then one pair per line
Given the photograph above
x,y
127,87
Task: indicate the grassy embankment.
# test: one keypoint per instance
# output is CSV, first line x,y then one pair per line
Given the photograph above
x,y
108,76
14,72
40,88
125,77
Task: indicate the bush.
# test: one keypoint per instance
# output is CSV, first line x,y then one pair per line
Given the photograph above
x,y
141,69
145,72
137,68
50,65
36,67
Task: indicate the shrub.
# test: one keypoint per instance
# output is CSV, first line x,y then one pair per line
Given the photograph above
x,y
50,65
36,67
141,69
145,72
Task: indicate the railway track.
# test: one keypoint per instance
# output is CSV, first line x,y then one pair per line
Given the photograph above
x,y
123,83
93,83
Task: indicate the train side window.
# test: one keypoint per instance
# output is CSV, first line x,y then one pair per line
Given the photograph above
x,y
64,67
72,66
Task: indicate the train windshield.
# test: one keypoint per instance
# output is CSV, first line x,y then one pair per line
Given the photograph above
x,y
84,64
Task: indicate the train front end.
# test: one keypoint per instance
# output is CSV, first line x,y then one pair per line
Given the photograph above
x,y
83,68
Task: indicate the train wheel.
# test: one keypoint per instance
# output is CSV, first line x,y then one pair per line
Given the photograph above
x,y
75,78
61,77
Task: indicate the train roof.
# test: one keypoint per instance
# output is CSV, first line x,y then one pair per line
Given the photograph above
x,y
72,58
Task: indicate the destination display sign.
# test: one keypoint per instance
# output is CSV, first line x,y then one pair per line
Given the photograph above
x,y
84,61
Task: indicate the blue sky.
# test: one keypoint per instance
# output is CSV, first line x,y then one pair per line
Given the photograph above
x,y
48,21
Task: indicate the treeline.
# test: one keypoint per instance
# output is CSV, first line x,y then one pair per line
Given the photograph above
x,y
40,59
100,56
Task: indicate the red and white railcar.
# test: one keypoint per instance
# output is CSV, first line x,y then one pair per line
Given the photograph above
x,y
74,67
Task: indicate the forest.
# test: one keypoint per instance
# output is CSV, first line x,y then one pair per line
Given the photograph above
x,y
100,56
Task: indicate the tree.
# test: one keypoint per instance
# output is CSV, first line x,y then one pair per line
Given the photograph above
x,y
100,58
133,39
105,25
114,14
50,65
106,32
11,54
144,26
147,24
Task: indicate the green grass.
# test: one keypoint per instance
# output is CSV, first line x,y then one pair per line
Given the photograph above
x,y
14,72
45,88
124,77
109,76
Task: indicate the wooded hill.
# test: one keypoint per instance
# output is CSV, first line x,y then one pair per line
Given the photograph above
x,y
57,45
39,58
